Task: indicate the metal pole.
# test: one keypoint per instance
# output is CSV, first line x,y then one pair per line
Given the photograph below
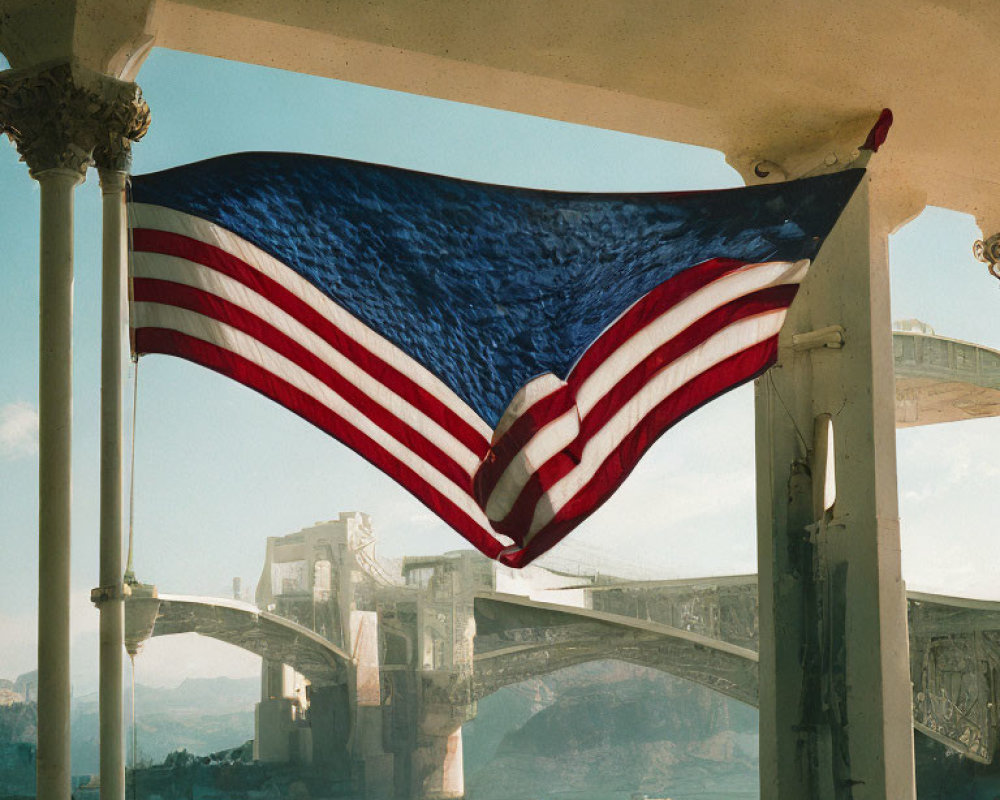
x,y
55,406
111,597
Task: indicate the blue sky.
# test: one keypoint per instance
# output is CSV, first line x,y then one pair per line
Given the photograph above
x,y
219,468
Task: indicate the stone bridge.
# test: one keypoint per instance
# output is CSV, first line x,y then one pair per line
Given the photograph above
x,y
943,380
518,638
242,625
701,630
954,646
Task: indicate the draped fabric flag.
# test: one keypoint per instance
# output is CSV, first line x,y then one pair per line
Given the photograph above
x,y
507,355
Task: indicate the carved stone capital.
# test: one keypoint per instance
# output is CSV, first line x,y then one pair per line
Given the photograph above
x,y
63,117
123,118
988,251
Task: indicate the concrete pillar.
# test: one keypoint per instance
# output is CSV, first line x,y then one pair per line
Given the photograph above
x,y
835,711
437,766
112,607
55,410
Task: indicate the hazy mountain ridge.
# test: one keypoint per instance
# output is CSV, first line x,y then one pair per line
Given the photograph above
x,y
606,730
203,715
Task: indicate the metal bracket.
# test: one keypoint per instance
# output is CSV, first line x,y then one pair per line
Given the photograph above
x,y
988,252
831,337
104,594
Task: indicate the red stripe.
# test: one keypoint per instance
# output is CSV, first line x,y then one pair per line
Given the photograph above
x,y
154,290
501,454
524,428
518,521
174,244
232,365
652,305
766,300
732,372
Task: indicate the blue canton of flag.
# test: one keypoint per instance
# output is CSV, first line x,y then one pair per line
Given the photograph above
x,y
507,355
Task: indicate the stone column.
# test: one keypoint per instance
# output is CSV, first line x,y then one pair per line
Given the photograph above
x,y
56,117
123,121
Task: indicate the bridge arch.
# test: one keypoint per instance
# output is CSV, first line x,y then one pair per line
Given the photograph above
x,y
241,624
518,638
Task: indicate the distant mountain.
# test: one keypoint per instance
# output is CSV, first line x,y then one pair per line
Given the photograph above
x,y
201,695
18,723
203,715
607,730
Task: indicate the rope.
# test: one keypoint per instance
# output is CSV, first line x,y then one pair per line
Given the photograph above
x,y
129,577
129,571
781,400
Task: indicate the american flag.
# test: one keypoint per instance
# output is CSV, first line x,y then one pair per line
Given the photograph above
x,y
507,355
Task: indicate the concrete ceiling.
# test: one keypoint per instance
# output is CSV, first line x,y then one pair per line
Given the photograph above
x,y
794,82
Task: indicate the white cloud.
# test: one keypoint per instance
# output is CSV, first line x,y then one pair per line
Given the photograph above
x,y
947,475
18,430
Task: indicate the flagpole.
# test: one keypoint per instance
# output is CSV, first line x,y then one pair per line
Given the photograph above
x,y
112,626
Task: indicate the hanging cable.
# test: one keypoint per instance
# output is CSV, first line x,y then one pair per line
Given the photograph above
x,y
129,571
129,577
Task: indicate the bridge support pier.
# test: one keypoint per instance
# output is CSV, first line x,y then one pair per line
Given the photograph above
x,y
437,765
835,711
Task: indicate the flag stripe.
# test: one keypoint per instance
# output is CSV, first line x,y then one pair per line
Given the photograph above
x,y
158,229
555,437
506,474
625,344
591,381
526,426
731,340
567,472
774,298
651,305
305,404
155,266
737,369
255,351
220,309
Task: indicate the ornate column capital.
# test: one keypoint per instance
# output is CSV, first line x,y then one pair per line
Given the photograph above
x,y
63,117
123,118
987,250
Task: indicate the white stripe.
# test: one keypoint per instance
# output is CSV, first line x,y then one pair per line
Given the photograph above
x,y
188,273
627,356
538,388
729,341
658,332
235,341
549,440
143,215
